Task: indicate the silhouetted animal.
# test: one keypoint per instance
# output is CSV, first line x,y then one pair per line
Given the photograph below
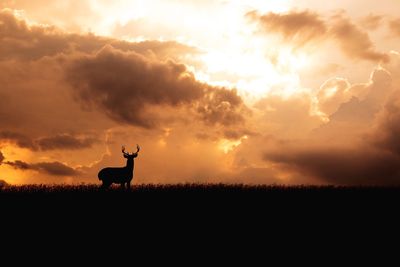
x,y
122,175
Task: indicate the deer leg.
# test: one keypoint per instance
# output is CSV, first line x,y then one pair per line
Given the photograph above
x,y
129,185
122,185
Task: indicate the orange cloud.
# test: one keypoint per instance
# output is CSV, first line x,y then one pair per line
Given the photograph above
x,y
395,26
51,168
29,42
73,99
57,142
300,28
63,92
139,84
361,165
372,21
1,157
359,145
354,42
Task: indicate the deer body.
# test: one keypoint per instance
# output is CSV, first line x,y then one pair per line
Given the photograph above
x,y
122,175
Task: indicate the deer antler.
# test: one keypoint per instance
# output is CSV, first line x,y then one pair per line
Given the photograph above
x,y
138,148
123,150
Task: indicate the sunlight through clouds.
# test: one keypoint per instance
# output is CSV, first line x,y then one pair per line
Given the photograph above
x,y
232,55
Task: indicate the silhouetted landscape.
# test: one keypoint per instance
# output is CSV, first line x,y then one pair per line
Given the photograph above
x,y
188,188
206,193
195,207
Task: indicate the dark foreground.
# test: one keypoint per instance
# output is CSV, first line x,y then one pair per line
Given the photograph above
x,y
212,195
224,208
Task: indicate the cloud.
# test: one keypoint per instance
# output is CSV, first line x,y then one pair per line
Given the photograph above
x,y
132,83
58,13
128,87
372,160
372,21
145,87
1,157
341,101
220,106
65,141
354,42
62,93
55,168
52,168
287,117
300,28
395,26
387,131
17,138
22,41
363,165
60,88
359,103
358,146
20,165
56,142
332,93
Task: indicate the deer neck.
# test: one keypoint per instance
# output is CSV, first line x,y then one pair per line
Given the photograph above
x,y
129,164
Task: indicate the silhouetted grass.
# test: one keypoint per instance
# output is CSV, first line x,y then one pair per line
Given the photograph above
x,y
198,190
88,188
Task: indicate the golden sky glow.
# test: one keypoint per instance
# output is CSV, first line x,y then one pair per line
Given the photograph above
x,y
214,91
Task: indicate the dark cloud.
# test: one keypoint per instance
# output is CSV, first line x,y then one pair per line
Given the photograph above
x,y
304,27
64,142
55,168
57,142
128,87
52,168
387,132
300,27
1,157
222,106
20,140
362,165
20,165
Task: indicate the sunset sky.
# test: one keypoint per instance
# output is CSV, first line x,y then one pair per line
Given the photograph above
x,y
231,91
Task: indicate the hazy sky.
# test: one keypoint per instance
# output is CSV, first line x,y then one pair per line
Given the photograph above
x,y
286,92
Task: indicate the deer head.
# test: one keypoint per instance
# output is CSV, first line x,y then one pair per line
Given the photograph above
x,y
130,155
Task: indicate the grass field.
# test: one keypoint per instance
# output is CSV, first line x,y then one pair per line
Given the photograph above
x,y
193,188
201,192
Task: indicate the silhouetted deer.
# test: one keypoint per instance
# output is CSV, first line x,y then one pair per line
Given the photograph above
x,y
121,175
